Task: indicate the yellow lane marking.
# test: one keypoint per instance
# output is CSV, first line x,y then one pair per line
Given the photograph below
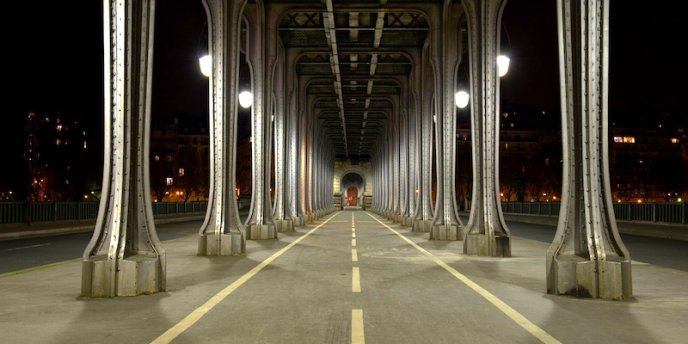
x,y
355,280
353,242
506,309
357,336
353,235
354,255
36,268
199,312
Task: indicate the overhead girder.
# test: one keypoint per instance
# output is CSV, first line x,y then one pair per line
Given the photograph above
x,y
346,48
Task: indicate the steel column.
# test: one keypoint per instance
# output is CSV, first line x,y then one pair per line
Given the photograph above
x,y
283,222
292,189
124,256
261,55
446,223
587,257
487,233
423,220
222,231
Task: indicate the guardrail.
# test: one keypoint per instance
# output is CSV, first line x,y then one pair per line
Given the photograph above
x,y
650,212
18,212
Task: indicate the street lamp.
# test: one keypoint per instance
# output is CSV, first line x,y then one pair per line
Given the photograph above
x,y
206,63
502,65
245,99
461,99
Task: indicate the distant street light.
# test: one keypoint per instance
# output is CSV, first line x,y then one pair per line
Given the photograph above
x,y
461,99
502,65
206,63
245,99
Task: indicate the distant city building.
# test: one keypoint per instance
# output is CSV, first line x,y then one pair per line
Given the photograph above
x,y
179,158
57,152
646,164
649,165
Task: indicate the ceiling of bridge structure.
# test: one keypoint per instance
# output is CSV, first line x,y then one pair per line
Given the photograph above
x,y
354,56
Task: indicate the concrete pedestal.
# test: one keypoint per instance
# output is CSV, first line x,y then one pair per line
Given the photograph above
x,y
135,275
422,226
482,245
262,232
577,276
446,232
407,221
284,226
298,221
232,244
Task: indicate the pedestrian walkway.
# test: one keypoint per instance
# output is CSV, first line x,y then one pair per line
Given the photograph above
x,y
351,278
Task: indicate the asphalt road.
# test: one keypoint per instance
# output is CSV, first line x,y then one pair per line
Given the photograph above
x,y
656,251
30,253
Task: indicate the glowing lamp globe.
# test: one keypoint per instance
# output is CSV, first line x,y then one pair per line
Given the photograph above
x,y
245,99
461,99
502,65
206,63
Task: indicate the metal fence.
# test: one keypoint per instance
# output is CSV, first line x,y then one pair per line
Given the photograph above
x,y
18,212
651,212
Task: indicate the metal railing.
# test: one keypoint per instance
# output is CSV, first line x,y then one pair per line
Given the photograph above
x,y
650,212
18,212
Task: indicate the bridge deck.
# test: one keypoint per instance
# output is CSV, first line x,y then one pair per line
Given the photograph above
x,y
348,278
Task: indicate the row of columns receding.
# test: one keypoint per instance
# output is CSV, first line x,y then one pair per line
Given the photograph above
x,y
125,257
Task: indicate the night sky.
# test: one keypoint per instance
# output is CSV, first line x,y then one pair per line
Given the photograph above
x,y
54,61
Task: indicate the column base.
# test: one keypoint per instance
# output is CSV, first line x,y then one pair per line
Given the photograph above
x,y
298,221
480,245
284,226
422,226
407,221
262,232
132,276
579,277
230,244
396,218
446,232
